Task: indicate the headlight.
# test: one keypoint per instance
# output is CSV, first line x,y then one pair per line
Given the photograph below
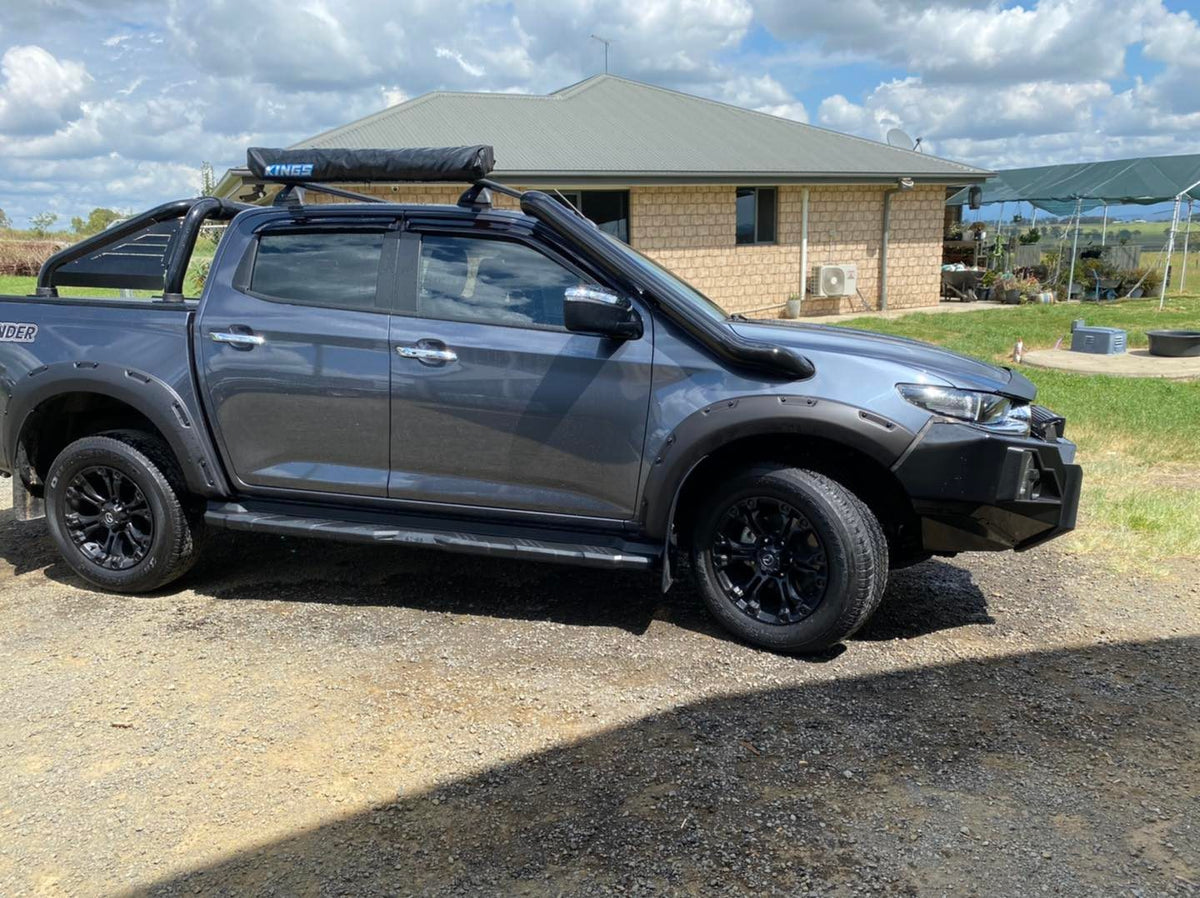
x,y
988,409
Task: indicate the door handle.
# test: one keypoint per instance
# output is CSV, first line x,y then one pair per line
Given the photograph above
x,y
237,340
427,353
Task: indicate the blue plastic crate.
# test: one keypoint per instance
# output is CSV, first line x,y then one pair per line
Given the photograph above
x,y
1098,340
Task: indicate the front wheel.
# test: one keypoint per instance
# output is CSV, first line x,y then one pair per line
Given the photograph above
x,y
789,559
117,510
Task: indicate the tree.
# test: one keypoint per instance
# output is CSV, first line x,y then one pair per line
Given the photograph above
x,y
98,219
42,222
5,224
208,183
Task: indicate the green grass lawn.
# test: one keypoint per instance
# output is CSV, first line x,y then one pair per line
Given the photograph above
x,y
1139,439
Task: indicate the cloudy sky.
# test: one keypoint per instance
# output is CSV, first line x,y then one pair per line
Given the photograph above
x,y
117,102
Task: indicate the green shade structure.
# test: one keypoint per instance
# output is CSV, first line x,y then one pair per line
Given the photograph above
x,y
1058,188
1078,187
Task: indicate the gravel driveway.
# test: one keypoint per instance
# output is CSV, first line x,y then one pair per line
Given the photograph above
x,y
303,718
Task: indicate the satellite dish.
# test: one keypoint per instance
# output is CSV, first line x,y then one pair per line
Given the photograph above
x,y
898,137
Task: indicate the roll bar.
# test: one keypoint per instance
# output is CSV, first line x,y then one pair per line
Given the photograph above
x,y
121,269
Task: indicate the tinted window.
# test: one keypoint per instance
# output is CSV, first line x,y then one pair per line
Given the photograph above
x,y
491,282
609,209
320,269
756,214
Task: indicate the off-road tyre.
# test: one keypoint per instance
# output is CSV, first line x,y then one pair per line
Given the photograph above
x,y
147,476
841,528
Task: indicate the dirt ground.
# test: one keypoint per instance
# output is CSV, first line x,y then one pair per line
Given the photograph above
x,y
303,718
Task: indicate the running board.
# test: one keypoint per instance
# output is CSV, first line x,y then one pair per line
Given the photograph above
x,y
483,538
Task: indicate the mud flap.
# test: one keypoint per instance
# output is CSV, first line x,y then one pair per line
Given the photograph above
x,y
26,506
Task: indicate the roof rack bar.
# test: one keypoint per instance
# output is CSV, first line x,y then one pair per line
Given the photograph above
x,y
489,184
289,186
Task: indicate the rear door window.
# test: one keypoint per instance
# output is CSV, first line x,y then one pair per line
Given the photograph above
x,y
319,268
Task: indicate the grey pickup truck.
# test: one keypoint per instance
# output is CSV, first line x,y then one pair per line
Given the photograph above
x,y
518,384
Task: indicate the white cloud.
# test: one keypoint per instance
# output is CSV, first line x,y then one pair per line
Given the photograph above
x,y
38,93
135,93
446,53
1014,111
974,41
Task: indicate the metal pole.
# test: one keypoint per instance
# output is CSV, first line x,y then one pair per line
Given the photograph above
x,y
1104,227
1162,290
803,244
1162,295
1187,234
1074,248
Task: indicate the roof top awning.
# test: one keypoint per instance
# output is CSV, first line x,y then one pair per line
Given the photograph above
x,y
1060,189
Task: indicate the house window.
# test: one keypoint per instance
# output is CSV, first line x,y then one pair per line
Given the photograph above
x,y
607,208
756,215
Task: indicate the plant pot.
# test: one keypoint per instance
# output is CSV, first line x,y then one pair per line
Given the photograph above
x,y
1011,297
793,309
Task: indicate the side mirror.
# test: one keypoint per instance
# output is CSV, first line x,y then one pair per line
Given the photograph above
x,y
594,310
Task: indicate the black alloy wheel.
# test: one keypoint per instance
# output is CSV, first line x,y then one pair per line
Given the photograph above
x,y
769,561
108,518
119,512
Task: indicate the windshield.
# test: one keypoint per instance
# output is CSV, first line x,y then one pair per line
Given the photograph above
x,y
656,274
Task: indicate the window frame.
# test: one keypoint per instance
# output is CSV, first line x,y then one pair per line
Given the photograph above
x,y
757,241
574,195
409,271
382,302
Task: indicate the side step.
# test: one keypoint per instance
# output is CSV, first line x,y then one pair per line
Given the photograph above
x,y
469,537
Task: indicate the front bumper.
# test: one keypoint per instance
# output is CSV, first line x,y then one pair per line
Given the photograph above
x,y
974,490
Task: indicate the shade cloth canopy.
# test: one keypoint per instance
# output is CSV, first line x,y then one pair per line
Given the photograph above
x,y
1058,188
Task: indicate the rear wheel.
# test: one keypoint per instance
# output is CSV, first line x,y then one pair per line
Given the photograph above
x,y
789,559
117,509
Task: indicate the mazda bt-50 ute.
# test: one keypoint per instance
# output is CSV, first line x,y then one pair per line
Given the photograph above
x,y
519,384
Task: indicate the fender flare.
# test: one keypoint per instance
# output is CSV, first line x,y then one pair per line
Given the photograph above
x,y
143,392
717,425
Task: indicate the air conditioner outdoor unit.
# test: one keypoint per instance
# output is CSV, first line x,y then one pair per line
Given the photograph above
x,y
836,280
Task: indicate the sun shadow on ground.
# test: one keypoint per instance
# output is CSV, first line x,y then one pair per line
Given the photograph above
x,y
248,567
1013,775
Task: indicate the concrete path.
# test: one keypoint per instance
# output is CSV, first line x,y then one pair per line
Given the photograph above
x,y
899,313
1135,363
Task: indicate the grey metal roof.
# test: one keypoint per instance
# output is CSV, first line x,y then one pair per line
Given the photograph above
x,y
610,128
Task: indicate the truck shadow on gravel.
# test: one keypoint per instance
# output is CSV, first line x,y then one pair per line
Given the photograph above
x,y
1072,772
926,598
929,597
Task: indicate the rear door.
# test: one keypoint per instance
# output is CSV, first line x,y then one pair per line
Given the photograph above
x,y
294,355
494,403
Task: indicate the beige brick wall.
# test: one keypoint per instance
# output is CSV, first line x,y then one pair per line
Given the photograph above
x,y
690,230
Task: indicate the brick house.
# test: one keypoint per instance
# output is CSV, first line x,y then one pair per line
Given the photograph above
x,y
723,196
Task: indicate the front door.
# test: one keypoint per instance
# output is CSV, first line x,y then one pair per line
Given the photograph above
x,y
494,403
295,356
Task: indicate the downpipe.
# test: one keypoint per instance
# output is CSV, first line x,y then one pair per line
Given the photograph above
x,y
903,185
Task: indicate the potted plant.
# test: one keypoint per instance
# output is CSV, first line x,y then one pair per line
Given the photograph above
x,y
987,283
1010,290
978,230
1031,290
793,306
955,231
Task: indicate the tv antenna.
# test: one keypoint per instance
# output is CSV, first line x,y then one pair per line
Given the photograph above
x,y
898,137
606,41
